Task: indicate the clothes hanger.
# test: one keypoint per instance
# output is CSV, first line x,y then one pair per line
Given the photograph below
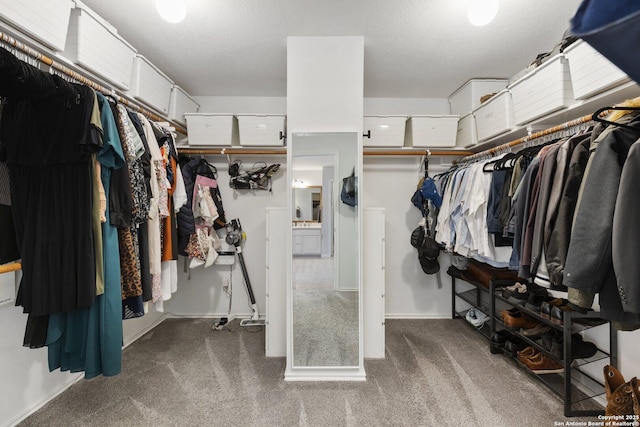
x,y
597,116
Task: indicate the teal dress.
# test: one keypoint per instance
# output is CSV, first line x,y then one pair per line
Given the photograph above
x,y
90,340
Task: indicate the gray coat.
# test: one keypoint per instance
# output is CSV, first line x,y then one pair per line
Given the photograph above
x,y
626,230
589,266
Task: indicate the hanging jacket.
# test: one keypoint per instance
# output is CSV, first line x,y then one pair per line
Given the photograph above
x,y
589,267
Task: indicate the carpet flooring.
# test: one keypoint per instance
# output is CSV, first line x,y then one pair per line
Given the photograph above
x,y
326,328
436,373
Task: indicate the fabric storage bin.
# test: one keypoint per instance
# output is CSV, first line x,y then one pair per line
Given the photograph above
x,y
45,20
542,91
261,130
466,135
95,45
180,104
209,129
432,131
591,73
150,85
494,116
385,131
467,97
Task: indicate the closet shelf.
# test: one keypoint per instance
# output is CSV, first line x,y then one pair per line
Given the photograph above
x,y
574,111
281,151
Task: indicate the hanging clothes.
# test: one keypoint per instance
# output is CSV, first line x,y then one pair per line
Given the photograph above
x,y
589,267
48,144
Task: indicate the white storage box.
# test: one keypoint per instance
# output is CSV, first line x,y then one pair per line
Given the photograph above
x,y
467,97
384,131
466,135
432,131
181,103
591,73
150,85
542,91
495,116
95,45
45,20
209,129
261,130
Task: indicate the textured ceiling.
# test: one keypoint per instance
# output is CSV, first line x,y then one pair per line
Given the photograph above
x,y
413,48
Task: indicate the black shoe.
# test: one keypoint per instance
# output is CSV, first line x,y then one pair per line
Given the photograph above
x,y
498,340
516,293
547,306
513,346
551,337
558,313
581,349
534,302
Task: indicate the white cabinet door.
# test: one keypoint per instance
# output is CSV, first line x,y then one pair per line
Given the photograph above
x,y
374,282
276,283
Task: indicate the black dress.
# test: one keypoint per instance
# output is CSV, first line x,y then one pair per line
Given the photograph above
x,y
47,142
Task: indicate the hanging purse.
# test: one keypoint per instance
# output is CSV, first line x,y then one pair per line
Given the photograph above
x,y
349,193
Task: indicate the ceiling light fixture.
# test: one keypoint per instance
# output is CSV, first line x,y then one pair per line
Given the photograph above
x,y
481,12
172,11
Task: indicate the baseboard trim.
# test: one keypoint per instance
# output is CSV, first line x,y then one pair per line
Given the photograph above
x,y
135,337
55,393
76,377
416,316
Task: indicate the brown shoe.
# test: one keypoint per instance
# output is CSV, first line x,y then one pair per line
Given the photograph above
x,y
527,353
504,313
536,332
618,392
518,320
635,395
540,364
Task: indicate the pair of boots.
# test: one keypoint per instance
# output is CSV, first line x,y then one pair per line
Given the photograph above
x,y
623,398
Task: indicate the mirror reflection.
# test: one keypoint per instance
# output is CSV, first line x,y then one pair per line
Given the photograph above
x,y
325,252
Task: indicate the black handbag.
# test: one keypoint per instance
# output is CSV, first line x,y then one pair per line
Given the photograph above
x,y
349,193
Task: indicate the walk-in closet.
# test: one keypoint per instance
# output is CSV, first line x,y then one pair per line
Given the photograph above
x,y
303,213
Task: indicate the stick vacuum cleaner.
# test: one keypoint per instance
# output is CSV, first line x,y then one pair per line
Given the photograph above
x,y
235,236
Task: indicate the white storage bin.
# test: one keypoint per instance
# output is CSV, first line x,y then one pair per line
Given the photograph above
x,y
433,131
591,73
467,97
180,104
466,134
261,130
95,45
150,85
45,20
209,129
542,91
495,116
385,131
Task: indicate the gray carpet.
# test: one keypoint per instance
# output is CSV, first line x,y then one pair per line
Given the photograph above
x,y
436,373
326,328
312,273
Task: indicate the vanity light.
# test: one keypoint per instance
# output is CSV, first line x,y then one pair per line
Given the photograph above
x,y
173,11
482,12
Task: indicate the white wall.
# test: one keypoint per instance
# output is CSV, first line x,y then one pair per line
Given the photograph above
x,y
26,381
201,293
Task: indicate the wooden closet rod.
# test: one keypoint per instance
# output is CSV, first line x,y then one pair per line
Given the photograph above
x,y
282,151
82,79
495,150
7,268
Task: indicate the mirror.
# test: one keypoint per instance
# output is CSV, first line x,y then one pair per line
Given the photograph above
x,y
307,201
325,264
